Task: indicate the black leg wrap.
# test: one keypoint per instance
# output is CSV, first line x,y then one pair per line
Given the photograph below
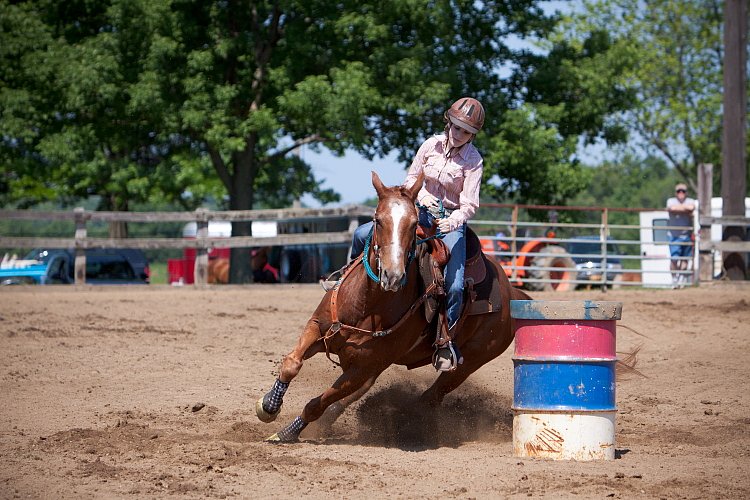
x,y
272,401
292,431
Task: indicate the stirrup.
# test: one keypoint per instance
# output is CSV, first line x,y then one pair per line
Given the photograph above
x,y
330,282
447,357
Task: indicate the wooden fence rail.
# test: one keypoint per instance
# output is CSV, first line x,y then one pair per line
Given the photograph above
x,y
202,243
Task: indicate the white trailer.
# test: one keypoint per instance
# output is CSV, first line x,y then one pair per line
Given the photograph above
x,y
655,244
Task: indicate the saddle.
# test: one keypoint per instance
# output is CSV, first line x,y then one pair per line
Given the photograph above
x,y
482,289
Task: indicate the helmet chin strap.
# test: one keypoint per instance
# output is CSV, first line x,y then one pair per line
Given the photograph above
x,y
451,151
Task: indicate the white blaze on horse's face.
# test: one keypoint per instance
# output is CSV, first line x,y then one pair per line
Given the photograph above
x,y
396,243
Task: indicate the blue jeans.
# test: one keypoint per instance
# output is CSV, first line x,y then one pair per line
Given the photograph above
x,y
680,250
454,269
358,240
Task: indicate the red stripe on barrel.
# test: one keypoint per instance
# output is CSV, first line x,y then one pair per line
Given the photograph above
x,y
565,339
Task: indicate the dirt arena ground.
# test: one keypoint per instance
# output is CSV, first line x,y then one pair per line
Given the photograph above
x,y
149,393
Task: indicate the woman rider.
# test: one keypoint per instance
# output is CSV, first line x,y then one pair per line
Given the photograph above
x,y
450,197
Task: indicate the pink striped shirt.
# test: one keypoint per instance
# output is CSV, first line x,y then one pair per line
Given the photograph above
x,y
455,181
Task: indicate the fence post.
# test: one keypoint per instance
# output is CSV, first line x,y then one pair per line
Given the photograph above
x,y
201,252
603,233
513,245
80,240
705,269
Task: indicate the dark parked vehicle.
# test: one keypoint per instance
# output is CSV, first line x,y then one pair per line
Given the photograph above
x,y
586,252
118,266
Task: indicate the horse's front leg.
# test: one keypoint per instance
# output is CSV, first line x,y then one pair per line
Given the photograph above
x,y
268,407
335,410
349,383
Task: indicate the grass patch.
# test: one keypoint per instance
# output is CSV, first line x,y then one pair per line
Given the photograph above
x,y
158,273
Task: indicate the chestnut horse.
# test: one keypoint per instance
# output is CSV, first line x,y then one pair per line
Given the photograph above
x,y
373,319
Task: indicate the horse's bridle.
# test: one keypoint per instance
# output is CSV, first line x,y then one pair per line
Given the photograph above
x,y
371,237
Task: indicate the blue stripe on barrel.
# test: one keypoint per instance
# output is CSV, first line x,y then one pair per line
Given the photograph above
x,y
564,385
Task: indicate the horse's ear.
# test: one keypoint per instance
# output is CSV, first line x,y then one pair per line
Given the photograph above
x,y
414,189
377,184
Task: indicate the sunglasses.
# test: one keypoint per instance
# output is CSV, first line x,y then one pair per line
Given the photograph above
x,y
680,191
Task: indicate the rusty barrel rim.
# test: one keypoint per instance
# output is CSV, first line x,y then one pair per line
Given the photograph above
x,y
566,309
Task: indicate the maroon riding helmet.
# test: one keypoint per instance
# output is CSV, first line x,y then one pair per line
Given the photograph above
x,y
467,113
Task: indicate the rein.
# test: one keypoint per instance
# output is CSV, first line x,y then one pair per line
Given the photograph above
x,y
440,215
337,325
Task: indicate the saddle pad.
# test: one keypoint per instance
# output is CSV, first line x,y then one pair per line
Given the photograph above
x,y
488,297
475,269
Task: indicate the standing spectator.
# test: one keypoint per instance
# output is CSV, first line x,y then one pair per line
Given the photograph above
x,y
681,210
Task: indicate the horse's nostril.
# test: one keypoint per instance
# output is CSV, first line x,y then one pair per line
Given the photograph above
x,y
390,280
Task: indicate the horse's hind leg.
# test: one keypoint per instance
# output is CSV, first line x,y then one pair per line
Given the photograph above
x,y
447,381
348,384
268,407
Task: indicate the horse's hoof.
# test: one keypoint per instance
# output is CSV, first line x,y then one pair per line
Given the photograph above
x,y
273,439
276,439
263,415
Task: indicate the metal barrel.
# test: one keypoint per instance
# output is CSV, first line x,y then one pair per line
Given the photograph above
x,y
564,379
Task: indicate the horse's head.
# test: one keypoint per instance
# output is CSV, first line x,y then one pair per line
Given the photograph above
x,y
395,230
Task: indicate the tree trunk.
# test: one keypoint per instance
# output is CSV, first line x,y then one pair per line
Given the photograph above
x,y
117,229
734,165
241,198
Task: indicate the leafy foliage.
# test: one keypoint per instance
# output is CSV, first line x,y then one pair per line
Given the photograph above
x,y
528,161
142,101
677,81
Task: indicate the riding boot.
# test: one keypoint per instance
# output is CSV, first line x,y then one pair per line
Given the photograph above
x,y
447,356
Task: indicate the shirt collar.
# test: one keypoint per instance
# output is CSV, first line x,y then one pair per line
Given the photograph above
x,y
463,151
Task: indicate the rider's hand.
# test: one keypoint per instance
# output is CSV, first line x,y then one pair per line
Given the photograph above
x,y
430,201
444,225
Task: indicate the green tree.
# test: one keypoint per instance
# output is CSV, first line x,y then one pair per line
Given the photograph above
x,y
80,110
261,79
627,182
677,82
566,94
135,100
529,161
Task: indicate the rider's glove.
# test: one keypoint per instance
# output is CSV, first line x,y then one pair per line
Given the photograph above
x,y
429,201
445,225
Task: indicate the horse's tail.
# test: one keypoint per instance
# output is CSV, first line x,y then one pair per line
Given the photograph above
x,y
626,363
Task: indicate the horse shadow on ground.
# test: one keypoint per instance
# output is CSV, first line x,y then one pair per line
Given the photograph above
x,y
393,417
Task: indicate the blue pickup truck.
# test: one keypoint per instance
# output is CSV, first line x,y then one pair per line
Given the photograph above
x,y
57,266
586,252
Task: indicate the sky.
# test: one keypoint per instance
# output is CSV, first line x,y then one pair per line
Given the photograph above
x,y
350,175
